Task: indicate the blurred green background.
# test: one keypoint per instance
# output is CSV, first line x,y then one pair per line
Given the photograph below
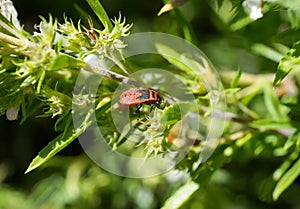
x,y
71,180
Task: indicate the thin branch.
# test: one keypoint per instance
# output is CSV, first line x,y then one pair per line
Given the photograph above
x,y
118,63
246,78
11,40
286,132
112,75
10,29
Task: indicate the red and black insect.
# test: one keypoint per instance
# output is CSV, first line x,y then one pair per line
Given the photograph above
x,y
139,96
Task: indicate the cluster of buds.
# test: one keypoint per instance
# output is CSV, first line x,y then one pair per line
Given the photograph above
x,y
155,139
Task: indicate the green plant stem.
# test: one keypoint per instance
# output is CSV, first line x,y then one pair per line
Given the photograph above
x,y
225,115
111,75
11,40
228,116
10,29
246,78
118,63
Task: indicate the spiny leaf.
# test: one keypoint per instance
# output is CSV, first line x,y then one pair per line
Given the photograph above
x,y
57,145
288,63
236,78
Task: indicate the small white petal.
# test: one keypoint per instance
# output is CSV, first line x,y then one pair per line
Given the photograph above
x,y
8,10
12,113
254,7
255,13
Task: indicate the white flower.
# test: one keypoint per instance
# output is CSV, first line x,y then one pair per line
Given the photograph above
x,y
254,7
8,10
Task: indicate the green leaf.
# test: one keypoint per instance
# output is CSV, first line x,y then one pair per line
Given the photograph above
x,y
65,61
172,56
288,63
183,194
282,71
267,188
40,82
267,52
187,62
240,23
8,28
292,8
287,179
101,13
13,198
172,4
236,78
231,91
294,18
294,108
270,124
236,3
251,92
178,111
292,140
273,105
279,172
291,4
29,108
220,3
58,144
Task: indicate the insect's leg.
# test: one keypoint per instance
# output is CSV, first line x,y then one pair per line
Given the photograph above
x,y
138,108
151,108
160,103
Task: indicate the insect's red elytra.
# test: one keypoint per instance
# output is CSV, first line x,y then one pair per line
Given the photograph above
x,y
139,96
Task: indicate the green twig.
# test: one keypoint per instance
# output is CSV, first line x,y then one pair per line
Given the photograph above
x,y
10,29
11,40
110,74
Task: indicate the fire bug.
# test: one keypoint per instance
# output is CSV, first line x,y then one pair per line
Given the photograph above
x,y
139,96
